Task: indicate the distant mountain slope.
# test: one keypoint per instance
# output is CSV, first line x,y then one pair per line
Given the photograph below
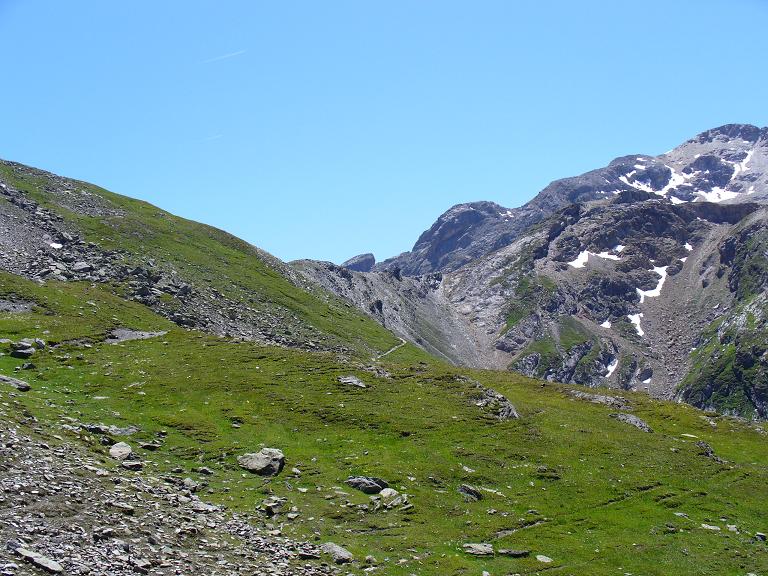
x,y
651,275
726,164
55,228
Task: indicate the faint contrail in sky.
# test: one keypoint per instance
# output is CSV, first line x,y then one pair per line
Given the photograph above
x,y
223,57
208,139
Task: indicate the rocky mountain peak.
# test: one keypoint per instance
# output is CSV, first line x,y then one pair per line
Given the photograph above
x,y
453,224
728,164
461,234
729,132
360,263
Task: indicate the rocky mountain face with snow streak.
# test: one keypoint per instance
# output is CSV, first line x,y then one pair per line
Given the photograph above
x,y
648,274
727,164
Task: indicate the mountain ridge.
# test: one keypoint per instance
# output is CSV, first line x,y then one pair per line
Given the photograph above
x,y
571,286
484,229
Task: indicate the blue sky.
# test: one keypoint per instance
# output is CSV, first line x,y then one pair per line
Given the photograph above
x,y
326,129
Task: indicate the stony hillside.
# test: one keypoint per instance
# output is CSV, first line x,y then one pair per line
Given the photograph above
x,y
641,277
57,229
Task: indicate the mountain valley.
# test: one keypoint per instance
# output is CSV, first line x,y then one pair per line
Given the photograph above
x,y
575,386
621,277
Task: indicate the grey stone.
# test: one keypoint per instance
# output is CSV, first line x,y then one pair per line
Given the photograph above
x,y
81,267
367,484
617,402
352,381
122,507
20,385
120,451
632,420
470,493
39,560
478,549
514,553
338,554
265,462
23,353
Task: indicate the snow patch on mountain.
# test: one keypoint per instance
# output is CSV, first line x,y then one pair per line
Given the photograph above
x,y
661,271
635,319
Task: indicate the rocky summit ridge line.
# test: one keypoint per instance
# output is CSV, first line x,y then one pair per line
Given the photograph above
x,y
648,274
726,164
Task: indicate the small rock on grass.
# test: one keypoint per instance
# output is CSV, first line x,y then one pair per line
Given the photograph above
x,y
367,484
478,549
120,451
266,462
514,553
20,385
337,553
352,381
632,420
470,492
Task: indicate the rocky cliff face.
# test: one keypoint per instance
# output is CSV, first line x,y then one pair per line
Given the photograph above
x,y
648,274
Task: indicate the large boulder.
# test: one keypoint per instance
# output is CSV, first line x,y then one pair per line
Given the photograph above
x,y
121,451
265,462
22,350
338,554
20,385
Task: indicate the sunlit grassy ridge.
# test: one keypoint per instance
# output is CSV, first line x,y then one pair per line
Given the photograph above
x,y
203,256
565,480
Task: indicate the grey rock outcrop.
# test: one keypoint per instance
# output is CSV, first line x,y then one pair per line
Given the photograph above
x,y
632,420
360,263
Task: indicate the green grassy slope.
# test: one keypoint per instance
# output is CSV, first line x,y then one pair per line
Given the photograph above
x,y
204,256
595,495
